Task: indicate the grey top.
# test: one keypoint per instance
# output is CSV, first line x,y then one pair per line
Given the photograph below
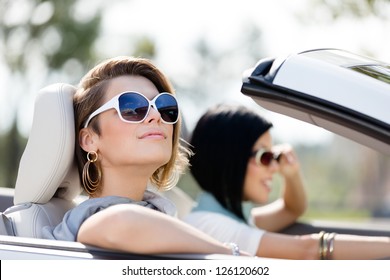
x,y
68,229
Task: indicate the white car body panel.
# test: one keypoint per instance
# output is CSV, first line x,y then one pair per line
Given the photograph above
x,y
305,72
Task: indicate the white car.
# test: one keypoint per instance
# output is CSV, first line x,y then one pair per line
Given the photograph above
x,y
334,89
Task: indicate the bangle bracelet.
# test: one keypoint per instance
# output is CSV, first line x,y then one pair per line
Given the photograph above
x,y
321,244
326,245
329,253
234,248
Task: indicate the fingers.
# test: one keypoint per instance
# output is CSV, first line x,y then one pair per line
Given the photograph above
x,y
286,151
290,157
288,163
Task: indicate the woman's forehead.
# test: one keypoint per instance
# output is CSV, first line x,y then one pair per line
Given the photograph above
x,y
264,141
130,83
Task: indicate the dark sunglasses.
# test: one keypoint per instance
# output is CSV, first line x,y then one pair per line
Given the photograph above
x,y
265,157
133,107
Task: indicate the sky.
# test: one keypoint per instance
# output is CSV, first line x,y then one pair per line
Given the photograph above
x,y
176,25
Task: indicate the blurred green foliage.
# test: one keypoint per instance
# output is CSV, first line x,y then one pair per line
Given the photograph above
x,y
55,31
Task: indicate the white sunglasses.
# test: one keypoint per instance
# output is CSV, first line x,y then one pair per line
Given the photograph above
x,y
133,107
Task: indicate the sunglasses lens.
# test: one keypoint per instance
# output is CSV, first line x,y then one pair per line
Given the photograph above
x,y
266,158
133,107
167,106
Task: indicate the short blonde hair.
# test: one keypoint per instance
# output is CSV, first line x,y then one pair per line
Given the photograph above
x,y
90,95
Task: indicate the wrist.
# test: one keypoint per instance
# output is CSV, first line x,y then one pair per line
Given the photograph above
x,y
235,250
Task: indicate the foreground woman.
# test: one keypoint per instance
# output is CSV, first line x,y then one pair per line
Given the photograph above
x,y
127,136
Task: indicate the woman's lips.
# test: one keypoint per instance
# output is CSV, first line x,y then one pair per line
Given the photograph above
x,y
267,184
155,134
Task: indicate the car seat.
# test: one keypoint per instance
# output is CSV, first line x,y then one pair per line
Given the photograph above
x,y
47,183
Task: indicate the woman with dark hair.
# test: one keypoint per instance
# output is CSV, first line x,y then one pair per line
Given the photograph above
x,y
220,162
234,162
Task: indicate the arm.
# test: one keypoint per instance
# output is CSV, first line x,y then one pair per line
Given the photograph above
x,y
137,229
347,247
284,211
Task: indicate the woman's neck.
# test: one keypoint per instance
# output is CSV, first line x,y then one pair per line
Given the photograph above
x,y
125,182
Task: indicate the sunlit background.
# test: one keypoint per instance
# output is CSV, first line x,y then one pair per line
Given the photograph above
x,y
203,46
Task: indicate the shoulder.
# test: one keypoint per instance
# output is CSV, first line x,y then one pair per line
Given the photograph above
x,y
160,202
93,205
72,220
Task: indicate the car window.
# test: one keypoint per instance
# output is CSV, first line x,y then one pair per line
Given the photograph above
x,y
378,72
341,58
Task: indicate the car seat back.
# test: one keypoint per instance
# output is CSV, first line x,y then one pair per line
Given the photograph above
x,y
47,183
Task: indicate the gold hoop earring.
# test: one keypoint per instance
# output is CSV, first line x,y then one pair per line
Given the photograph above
x,y
89,184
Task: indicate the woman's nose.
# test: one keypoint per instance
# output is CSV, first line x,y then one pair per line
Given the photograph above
x,y
274,166
153,115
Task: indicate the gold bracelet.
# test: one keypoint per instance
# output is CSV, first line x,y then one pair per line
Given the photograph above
x,y
321,244
325,246
330,249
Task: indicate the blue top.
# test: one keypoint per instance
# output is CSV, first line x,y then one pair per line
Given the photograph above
x,y
207,202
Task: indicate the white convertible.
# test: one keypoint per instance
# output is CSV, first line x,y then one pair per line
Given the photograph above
x,y
334,89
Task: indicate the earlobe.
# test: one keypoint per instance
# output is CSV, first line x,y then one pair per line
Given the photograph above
x,y
87,140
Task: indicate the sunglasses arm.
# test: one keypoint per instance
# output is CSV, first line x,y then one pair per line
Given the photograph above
x,y
109,105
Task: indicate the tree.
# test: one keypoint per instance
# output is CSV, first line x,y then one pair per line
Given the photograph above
x,y
38,38
12,149
55,31
351,8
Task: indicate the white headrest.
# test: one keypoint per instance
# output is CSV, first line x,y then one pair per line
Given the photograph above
x,y
47,166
